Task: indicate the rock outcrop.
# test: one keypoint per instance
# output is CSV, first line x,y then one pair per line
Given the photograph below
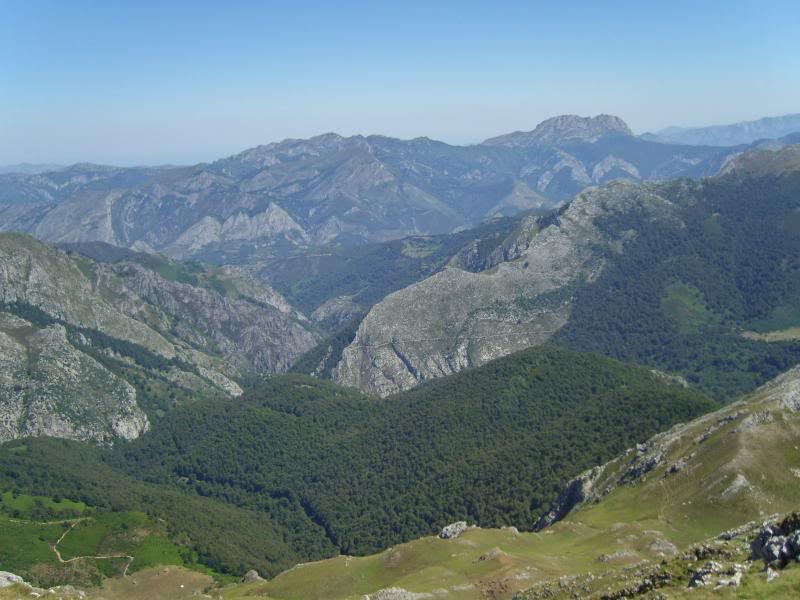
x,y
778,544
8,579
86,347
453,530
252,576
420,333
575,493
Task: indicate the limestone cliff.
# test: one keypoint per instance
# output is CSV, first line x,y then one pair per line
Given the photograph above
x,y
92,350
457,319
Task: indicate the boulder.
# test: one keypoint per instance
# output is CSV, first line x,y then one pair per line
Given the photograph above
x,y
705,574
777,544
453,530
8,579
252,576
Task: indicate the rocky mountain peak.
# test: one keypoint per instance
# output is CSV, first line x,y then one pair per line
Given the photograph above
x,y
564,128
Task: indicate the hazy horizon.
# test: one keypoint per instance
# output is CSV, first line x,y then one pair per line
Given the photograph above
x,y
187,83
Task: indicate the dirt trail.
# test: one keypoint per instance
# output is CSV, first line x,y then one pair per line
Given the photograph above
x,y
54,548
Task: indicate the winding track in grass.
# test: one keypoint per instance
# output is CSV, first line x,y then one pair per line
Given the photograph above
x,y
54,548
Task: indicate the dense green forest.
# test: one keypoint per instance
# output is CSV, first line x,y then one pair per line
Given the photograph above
x,y
320,468
679,298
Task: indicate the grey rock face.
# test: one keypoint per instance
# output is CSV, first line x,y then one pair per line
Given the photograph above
x,y
420,332
565,128
252,335
51,388
577,492
336,312
453,530
8,579
56,310
273,222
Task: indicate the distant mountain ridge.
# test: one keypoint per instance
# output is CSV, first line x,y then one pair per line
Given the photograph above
x,y
295,195
733,134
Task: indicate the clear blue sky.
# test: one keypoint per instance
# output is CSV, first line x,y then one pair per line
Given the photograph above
x,y
156,82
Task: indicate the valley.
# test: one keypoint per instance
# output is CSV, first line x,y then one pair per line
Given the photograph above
x,y
316,416
668,501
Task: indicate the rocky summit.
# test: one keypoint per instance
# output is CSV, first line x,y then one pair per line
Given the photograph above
x,y
563,129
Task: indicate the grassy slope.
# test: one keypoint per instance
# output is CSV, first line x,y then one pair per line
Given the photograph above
x,y
684,508
30,525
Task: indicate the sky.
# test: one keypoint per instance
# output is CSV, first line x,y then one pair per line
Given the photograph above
x,y
178,82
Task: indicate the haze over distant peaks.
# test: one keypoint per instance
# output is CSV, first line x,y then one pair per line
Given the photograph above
x,y
564,128
277,198
30,168
733,134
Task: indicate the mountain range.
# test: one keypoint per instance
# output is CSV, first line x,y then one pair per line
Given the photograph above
x,y
299,194
734,134
641,272
570,352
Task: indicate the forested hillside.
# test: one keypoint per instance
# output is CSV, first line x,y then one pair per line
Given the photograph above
x,y
333,470
686,514
701,299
